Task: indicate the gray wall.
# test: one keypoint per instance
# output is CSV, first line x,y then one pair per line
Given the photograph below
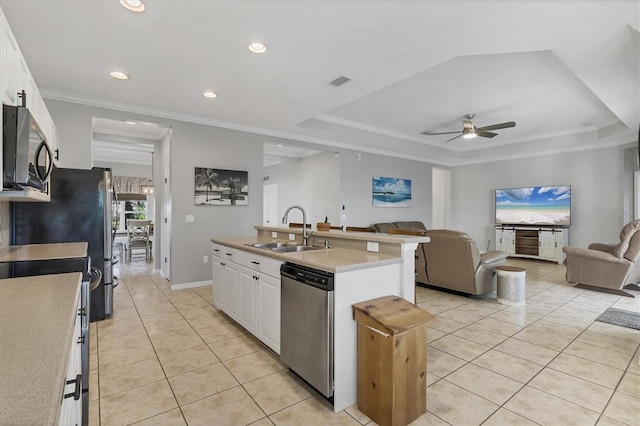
x,y
192,145
312,182
597,196
356,184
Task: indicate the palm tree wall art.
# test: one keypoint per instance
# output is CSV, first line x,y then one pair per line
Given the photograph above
x,y
219,187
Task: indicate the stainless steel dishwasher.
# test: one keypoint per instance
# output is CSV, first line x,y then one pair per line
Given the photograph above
x,y
306,328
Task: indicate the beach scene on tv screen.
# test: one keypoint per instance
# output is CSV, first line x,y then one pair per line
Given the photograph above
x,y
538,205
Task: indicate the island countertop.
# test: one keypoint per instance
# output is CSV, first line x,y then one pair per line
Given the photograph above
x,y
37,316
334,260
20,253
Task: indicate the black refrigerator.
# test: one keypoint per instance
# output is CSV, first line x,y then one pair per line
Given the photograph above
x,y
80,210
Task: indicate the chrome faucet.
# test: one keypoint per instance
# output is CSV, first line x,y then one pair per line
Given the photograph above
x,y
305,236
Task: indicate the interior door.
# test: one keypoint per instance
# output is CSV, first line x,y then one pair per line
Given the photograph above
x,y
166,229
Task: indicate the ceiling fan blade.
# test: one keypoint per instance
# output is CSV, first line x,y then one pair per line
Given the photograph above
x,y
456,137
497,126
486,134
428,133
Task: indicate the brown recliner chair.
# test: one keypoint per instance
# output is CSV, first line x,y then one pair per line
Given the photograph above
x,y
607,267
453,261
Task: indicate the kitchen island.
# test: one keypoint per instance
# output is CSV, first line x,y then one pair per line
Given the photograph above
x,y
360,274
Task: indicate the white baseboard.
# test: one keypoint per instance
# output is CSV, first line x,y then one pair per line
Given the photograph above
x,y
190,285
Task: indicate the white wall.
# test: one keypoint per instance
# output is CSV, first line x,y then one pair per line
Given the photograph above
x,y
312,182
356,178
597,199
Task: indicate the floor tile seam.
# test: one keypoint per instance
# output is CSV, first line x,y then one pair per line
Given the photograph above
x,y
528,383
481,397
549,366
284,408
158,359
611,349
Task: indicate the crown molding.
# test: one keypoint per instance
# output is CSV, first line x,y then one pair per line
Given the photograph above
x,y
153,112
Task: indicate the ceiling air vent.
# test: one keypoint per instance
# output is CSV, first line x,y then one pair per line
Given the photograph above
x,y
339,81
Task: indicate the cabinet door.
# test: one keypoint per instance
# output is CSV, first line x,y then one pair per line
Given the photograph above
x,y
71,408
231,290
506,240
248,282
9,54
218,282
269,311
547,241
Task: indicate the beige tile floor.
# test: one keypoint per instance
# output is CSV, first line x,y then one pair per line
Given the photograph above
x,y
170,358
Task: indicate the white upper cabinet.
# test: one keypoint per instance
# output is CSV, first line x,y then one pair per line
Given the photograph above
x,y
16,77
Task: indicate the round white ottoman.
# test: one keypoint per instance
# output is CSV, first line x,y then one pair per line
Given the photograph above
x,y
511,285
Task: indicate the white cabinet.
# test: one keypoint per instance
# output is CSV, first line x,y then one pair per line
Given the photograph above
x,y
531,242
506,240
217,266
15,78
248,289
231,277
269,311
246,286
547,244
71,408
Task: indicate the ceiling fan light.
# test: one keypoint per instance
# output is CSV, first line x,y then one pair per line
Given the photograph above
x,y
469,135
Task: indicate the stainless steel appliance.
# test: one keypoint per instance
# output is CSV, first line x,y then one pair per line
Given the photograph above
x,y
26,156
79,210
306,330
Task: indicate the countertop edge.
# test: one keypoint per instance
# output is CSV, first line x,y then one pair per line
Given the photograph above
x,y
240,243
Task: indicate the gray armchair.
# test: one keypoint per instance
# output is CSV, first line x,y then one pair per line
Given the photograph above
x,y
607,267
453,261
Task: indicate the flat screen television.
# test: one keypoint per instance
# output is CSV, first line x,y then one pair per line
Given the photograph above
x,y
534,205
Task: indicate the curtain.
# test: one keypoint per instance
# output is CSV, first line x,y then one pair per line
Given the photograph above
x,y
129,184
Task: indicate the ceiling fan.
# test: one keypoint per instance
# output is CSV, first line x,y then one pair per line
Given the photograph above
x,y
469,130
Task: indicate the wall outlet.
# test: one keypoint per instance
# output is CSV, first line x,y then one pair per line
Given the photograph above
x,y
372,246
205,259
190,218
274,234
292,237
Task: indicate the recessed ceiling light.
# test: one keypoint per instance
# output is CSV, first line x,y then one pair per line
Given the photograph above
x,y
588,123
119,75
133,5
130,122
257,47
210,95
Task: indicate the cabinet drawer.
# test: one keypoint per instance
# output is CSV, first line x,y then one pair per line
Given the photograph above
x,y
264,264
225,252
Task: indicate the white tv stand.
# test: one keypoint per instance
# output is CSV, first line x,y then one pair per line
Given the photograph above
x,y
535,242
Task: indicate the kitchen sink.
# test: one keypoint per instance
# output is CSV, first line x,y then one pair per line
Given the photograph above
x,y
288,249
270,246
284,247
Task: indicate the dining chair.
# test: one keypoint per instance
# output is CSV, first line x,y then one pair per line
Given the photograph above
x,y
138,237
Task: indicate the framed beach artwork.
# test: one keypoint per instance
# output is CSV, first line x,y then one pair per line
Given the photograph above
x,y
391,192
219,187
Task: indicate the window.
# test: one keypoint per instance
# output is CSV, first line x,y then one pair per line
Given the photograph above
x,y
128,209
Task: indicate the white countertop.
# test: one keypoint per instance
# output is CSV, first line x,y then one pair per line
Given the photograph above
x,y
43,252
37,315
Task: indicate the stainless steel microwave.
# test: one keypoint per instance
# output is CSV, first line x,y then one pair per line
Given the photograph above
x,y
26,159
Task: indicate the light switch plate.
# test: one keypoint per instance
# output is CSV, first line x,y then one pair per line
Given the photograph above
x,y
190,218
372,246
274,234
292,237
